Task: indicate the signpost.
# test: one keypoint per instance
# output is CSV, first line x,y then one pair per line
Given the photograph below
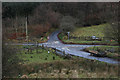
x,y
68,35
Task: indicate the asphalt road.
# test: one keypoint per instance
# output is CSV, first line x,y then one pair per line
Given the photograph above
x,y
76,50
72,49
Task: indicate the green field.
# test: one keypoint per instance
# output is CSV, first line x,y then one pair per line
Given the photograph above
x,y
38,56
96,30
42,65
112,51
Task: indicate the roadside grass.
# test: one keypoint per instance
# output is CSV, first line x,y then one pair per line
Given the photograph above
x,y
79,41
95,30
38,55
77,67
112,51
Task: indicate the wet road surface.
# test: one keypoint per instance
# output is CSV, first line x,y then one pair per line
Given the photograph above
x,y
76,50
72,49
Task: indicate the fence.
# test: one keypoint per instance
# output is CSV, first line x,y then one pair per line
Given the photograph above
x,y
36,47
89,38
58,52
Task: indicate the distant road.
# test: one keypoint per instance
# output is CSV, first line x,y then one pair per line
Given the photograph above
x,y
73,49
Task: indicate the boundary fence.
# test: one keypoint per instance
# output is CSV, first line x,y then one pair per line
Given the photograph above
x,y
29,50
90,38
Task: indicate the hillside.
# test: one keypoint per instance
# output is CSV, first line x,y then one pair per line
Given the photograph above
x,y
83,35
97,30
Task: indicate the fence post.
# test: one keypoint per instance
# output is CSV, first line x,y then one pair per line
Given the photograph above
x,y
53,57
28,50
63,53
55,51
37,47
42,47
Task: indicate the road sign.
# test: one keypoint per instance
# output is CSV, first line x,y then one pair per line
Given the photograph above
x,y
68,35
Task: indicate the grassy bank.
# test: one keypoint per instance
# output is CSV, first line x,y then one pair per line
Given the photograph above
x,y
97,30
111,51
90,42
38,55
40,64
80,68
88,32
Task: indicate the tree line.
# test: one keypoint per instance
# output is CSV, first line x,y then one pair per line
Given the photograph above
x,y
87,13
59,15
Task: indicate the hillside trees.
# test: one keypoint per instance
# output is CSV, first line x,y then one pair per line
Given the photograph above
x,y
113,30
87,13
14,9
42,19
41,16
52,14
44,14
13,17
67,23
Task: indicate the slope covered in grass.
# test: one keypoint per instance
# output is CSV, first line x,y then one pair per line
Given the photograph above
x,y
83,35
97,30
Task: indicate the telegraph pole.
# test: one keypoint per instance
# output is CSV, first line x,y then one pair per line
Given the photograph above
x,y
26,31
16,33
16,24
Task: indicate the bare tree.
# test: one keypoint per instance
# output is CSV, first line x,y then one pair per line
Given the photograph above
x,y
113,30
67,23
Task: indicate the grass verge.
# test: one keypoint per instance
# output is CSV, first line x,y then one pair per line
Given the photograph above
x,y
97,31
39,67
111,51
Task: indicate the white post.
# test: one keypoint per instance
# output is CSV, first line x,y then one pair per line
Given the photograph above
x,y
68,35
26,31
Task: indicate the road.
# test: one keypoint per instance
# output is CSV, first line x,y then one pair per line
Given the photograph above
x,y
76,50
72,49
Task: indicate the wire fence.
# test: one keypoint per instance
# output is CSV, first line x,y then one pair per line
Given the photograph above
x,y
91,38
36,48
